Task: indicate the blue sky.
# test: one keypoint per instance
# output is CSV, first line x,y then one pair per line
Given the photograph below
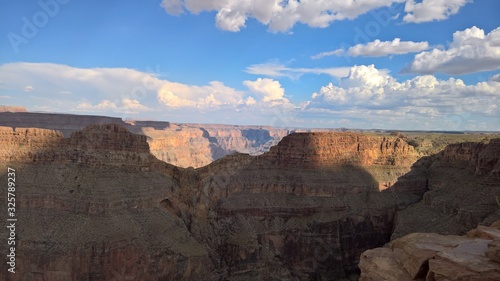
x,y
391,64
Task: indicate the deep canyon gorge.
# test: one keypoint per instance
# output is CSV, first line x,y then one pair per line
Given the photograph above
x,y
99,198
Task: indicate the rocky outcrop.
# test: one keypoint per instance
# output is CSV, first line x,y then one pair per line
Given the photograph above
x,y
454,190
429,256
320,149
384,158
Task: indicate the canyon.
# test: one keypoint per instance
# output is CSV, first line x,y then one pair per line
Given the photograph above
x,y
183,145
95,203
197,145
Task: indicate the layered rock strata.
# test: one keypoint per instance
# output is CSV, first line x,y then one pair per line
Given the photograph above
x,y
309,207
183,145
88,207
97,206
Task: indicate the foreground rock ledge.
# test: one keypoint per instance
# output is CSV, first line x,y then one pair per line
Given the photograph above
x,y
429,256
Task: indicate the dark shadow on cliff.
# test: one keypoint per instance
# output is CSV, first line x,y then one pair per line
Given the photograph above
x,y
256,136
215,150
451,191
289,208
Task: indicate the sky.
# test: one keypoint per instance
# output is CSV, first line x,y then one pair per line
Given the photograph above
x,y
361,64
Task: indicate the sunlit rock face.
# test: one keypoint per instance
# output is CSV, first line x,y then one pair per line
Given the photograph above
x,y
430,256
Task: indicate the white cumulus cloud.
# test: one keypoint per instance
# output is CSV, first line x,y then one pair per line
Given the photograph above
x,y
215,94
431,10
270,89
471,51
126,105
378,48
367,88
368,94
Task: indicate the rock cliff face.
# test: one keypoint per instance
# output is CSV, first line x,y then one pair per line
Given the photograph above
x,y
183,145
429,256
457,187
309,207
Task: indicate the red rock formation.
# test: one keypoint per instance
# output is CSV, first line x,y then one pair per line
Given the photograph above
x,y
320,149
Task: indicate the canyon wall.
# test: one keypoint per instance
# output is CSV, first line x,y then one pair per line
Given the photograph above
x,y
183,145
88,208
97,205
8,108
458,188
309,207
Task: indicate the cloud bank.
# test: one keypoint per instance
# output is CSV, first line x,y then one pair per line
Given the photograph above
x,y
431,10
424,101
366,97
